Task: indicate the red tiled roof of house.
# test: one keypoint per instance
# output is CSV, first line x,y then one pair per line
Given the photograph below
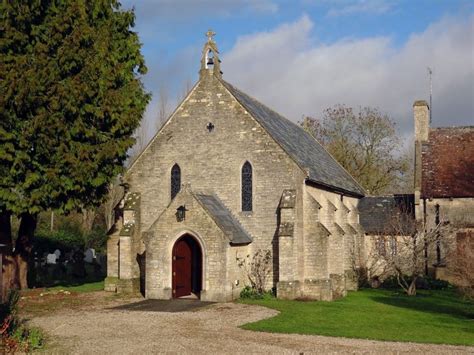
x,y
448,163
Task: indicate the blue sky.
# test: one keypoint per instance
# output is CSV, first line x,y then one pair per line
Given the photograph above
x,y
322,48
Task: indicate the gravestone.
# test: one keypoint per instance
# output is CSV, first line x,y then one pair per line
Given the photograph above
x,y
89,256
51,259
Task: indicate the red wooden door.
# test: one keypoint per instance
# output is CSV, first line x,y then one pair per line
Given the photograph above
x,y
182,269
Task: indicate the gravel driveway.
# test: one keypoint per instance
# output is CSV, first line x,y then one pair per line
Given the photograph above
x,y
211,329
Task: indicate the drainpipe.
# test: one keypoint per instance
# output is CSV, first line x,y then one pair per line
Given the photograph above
x,y
426,242
438,247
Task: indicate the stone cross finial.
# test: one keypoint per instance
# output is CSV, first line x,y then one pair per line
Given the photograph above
x,y
210,34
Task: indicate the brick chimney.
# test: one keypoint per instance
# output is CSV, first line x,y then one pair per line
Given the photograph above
x,y
421,116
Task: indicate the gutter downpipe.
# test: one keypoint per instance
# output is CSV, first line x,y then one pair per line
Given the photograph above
x,y
426,242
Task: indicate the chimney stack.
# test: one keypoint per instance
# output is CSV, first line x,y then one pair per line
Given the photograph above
x,y
421,114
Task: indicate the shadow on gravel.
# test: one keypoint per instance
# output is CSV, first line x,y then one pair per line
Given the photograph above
x,y
171,306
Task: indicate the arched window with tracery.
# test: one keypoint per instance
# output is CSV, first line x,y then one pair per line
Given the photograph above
x,y
175,180
247,187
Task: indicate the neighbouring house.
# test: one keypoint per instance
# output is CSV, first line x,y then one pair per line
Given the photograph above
x,y
389,225
225,177
444,183
443,199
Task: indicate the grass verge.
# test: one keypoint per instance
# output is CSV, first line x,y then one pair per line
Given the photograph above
x,y
439,317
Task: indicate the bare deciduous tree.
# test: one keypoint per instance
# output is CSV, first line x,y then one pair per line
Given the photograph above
x,y
365,143
461,262
163,107
186,88
141,136
88,217
116,193
257,268
405,256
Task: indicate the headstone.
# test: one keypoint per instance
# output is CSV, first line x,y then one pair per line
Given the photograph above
x,y
51,259
89,255
58,253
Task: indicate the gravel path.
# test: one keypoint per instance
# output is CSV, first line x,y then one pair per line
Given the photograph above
x,y
213,329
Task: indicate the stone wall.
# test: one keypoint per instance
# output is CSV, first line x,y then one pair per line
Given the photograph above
x,y
459,212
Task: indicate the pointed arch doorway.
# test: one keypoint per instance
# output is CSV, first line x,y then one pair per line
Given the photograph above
x,y
186,267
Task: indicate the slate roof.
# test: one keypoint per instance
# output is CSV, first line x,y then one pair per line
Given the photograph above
x,y
382,215
447,168
224,218
322,168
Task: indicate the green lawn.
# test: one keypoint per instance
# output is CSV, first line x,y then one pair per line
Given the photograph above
x,y
431,317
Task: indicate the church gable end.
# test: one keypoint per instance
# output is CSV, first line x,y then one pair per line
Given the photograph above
x,y
226,177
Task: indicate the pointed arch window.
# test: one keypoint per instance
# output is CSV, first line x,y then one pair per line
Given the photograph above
x,y
247,187
175,180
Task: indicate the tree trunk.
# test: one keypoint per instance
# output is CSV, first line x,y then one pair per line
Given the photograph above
x,y
88,217
412,289
9,268
23,246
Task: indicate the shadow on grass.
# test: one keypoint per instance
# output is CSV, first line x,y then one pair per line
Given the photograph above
x,y
436,302
60,276
73,283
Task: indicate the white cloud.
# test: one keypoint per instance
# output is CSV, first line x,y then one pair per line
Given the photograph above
x,y
289,71
360,6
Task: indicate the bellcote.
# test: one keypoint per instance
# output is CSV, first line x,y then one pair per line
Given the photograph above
x,y
210,62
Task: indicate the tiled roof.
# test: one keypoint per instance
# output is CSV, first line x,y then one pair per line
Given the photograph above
x,y
223,218
322,168
448,163
387,214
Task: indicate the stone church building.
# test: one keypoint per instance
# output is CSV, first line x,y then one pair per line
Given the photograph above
x,y
225,177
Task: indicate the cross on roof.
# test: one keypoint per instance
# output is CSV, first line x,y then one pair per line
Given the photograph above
x,y
210,34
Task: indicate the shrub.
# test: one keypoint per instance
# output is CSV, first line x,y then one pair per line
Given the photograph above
x,y
422,283
28,338
13,331
68,236
435,284
251,293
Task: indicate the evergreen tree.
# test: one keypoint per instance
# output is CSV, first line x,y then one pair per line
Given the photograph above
x,y
70,99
